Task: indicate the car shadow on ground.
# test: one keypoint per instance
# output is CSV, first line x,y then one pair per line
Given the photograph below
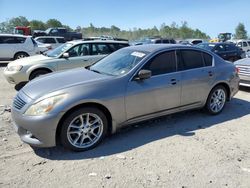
x,y
184,124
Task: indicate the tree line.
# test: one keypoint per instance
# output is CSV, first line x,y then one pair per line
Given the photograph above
x,y
182,31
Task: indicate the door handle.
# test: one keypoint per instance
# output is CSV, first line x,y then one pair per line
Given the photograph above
x,y
210,73
85,60
173,81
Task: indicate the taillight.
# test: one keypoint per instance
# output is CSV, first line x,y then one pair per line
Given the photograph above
x,y
237,70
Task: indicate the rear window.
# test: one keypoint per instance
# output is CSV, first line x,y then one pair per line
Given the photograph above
x,y
190,59
20,39
61,40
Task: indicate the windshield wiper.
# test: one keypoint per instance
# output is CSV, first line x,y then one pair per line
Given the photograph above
x,y
95,71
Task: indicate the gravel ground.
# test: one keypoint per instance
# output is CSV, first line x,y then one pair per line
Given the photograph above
x,y
190,149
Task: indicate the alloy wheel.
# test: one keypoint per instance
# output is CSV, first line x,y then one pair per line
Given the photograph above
x,y
85,130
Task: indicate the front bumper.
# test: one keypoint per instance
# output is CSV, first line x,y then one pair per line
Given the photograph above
x,y
15,77
38,131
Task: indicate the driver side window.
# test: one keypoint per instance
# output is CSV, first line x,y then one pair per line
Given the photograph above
x,y
79,50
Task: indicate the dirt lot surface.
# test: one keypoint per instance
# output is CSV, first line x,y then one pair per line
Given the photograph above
x,y
190,149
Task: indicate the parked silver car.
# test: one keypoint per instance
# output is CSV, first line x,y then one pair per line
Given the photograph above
x,y
70,55
78,108
244,71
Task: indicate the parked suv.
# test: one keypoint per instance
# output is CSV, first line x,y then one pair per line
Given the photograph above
x,y
227,51
244,44
70,55
17,46
53,41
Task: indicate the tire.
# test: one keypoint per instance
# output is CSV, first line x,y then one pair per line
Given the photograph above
x,y
77,135
216,100
20,55
37,73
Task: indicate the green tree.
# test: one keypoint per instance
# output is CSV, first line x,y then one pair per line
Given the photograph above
x,y
9,25
53,23
240,31
36,24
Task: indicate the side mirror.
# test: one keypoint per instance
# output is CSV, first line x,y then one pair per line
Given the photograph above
x,y
143,74
65,55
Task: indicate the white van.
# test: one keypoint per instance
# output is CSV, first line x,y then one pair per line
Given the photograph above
x,y
17,46
244,44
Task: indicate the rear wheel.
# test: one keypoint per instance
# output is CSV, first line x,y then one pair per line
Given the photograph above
x,y
216,100
20,55
84,129
38,73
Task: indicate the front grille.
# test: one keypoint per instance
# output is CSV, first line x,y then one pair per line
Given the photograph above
x,y
18,103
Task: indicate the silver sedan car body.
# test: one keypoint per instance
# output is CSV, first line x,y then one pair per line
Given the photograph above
x,y
244,71
80,106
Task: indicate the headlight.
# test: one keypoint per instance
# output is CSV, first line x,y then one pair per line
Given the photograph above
x,y
15,68
44,106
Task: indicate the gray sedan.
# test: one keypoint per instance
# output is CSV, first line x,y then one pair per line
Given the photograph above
x,y
79,107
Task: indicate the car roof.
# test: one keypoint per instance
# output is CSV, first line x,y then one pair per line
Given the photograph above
x,y
97,41
157,47
49,37
13,35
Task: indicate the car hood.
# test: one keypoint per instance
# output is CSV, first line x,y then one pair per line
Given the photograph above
x,y
29,60
245,61
61,80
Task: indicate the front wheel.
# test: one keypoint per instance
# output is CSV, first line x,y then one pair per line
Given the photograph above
x,y
84,129
216,100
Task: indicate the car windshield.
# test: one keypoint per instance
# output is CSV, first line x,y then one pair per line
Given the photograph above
x,y
60,49
119,62
206,46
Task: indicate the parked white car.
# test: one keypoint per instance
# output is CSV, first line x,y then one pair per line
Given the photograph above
x,y
73,54
51,40
243,44
17,46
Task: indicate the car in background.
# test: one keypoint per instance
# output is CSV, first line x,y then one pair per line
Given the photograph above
x,y
18,46
192,41
70,55
154,40
227,51
53,41
78,108
43,47
244,44
243,66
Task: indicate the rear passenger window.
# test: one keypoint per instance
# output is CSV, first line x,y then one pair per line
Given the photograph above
x,y
61,40
207,59
98,49
49,40
20,39
190,59
244,44
162,63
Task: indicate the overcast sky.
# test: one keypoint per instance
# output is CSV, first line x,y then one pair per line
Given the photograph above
x,y
210,16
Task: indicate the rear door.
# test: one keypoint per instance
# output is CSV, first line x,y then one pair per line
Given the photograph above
x,y
158,93
197,76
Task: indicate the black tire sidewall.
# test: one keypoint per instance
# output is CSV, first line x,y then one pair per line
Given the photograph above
x,y
37,74
63,133
20,53
209,99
